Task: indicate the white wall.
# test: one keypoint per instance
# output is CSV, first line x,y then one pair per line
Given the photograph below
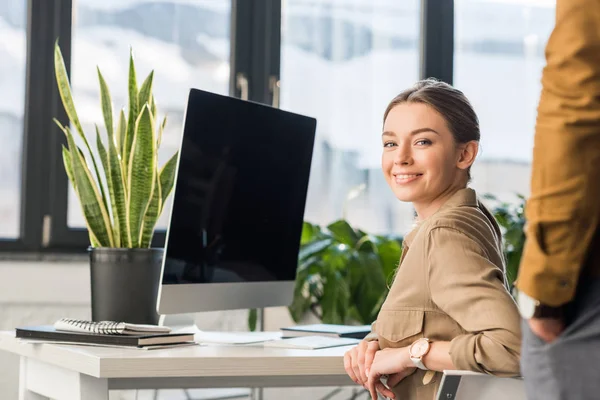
x,y
40,292
35,293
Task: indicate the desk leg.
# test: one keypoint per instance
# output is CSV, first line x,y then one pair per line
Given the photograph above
x,y
41,381
24,392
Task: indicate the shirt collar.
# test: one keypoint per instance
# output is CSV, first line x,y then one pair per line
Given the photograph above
x,y
462,198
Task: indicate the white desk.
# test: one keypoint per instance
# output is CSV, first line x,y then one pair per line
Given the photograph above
x,y
65,372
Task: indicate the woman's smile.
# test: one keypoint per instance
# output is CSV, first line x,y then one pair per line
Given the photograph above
x,y
402,179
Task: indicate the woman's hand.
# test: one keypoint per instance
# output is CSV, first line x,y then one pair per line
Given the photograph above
x,y
358,360
395,364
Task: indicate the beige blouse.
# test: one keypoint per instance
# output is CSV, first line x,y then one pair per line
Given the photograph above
x,y
450,286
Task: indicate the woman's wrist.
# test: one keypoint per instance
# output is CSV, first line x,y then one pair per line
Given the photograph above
x,y
405,360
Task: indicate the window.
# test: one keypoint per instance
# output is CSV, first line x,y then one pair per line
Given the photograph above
x,y
13,46
498,60
339,61
342,62
186,43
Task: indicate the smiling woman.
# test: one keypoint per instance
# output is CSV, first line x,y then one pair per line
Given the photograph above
x,y
430,140
448,306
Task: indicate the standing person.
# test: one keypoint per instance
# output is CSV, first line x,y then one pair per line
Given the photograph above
x,y
448,306
559,278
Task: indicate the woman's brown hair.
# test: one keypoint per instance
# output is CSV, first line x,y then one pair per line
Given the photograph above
x,y
450,102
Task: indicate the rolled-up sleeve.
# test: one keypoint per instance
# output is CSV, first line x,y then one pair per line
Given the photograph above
x,y
467,286
373,334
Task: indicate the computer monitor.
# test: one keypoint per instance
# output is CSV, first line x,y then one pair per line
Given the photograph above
x,y
238,206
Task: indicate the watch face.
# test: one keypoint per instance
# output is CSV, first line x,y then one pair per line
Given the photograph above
x,y
419,348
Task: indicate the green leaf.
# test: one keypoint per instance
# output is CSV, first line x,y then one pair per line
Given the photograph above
x,y
96,215
116,189
343,232
118,195
154,112
107,107
104,161
311,249
310,233
367,284
167,178
64,88
337,257
141,176
134,108
389,251
101,150
252,319
68,166
308,262
121,132
93,241
335,301
161,129
145,95
152,214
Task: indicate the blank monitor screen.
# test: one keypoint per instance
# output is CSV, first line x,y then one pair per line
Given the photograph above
x,y
240,193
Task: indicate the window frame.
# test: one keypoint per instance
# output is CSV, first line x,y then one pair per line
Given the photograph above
x,y
255,41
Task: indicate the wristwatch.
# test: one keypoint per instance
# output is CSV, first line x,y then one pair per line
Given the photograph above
x,y
532,308
418,350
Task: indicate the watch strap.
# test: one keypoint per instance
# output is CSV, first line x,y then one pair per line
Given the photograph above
x,y
418,363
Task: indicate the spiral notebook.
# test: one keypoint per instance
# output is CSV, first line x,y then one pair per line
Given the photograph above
x,y
103,333
108,327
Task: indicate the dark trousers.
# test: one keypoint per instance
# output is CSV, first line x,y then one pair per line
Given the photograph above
x,y
569,367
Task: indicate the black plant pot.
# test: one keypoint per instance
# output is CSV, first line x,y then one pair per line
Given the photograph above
x,y
125,284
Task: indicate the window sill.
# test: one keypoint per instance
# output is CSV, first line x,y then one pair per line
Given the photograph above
x,y
44,257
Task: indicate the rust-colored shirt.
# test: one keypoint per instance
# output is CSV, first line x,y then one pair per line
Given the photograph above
x,y
450,286
563,210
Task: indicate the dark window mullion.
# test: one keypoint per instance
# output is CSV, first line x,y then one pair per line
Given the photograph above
x,y
240,46
272,43
255,35
46,21
437,40
61,236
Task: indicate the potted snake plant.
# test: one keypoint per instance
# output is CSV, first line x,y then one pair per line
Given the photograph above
x,y
122,191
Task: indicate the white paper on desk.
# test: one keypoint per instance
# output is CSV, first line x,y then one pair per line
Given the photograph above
x,y
235,337
314,342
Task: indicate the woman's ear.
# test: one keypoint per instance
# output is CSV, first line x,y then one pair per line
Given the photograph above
x,y
467,155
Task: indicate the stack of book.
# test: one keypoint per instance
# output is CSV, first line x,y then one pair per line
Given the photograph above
x,y
105,333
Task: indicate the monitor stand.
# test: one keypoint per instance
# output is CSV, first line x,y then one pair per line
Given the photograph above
x,y
186,323
179,322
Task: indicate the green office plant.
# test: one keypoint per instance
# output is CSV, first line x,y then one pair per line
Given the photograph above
x,y
121,205
122,192
511,218
343,273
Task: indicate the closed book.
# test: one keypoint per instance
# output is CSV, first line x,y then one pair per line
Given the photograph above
x,y
48,332
343,331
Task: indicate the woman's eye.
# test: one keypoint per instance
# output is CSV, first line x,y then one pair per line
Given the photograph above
x,y
389,144
423,142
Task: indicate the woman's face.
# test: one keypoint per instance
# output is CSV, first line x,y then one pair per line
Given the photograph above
x,y
421,161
